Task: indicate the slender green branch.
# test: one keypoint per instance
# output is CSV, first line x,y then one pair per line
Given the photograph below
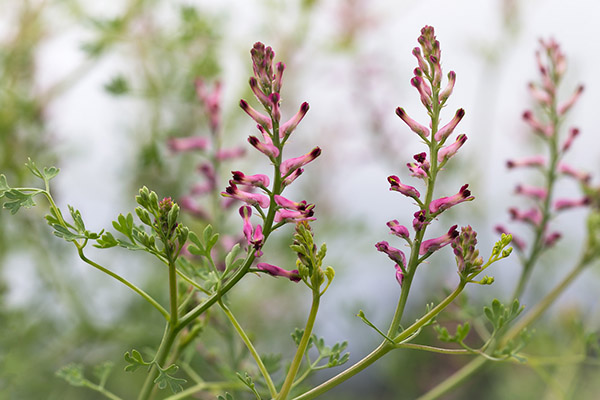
x,y
250,346
173,293
124,281
206,386
295,366
433,349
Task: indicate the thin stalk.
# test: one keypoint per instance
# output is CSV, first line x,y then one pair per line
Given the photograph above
x,y
384,348
124,281
251,348
161,356
295,366
173,293
465,372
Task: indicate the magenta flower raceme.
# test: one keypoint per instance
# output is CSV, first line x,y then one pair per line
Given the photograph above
x,y
397,186
250,198
292,164
431,245
274,270
444,203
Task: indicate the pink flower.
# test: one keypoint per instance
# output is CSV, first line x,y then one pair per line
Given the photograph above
x,y
419,129
274,270
283,215
419,221
279,68
570,171
399,274
190,206
228,154
422,63
187,143
532,216
393,253
263,98
424,90
274,102
443,203
267,148
398,230
532,191
420,169
259,180
534,161
447,91
541,96
289,204
246,213
261,119
288,127
447,129
551,239
563,204
538,127
431,245
212,103
566,106
248,198
573,132
397,186
292,177
445,153
292,164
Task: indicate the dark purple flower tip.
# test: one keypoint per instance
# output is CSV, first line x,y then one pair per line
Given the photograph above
x,y
421,157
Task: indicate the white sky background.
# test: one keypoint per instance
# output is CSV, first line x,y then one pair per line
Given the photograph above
x,y
342,107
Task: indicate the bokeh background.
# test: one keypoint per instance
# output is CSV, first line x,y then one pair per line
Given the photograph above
x,y
97,89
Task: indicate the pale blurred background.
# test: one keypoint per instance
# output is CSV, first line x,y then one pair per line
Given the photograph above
x,y
351,60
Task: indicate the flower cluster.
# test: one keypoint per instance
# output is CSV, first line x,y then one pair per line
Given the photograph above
x,y
257,191
551,63
427,80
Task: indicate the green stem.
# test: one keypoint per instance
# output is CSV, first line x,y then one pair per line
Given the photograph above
x,y
465,372
206,386
455,379
384,348
124,281
102,391
161,356
250,346
295,366
173,293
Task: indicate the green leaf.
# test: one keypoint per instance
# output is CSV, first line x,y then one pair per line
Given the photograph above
x,y
106,241
17,199
165,379
76,215
198,247
102,372
135,360
117,86
50,172
3,185
64,233
231,261
33,168
72,373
